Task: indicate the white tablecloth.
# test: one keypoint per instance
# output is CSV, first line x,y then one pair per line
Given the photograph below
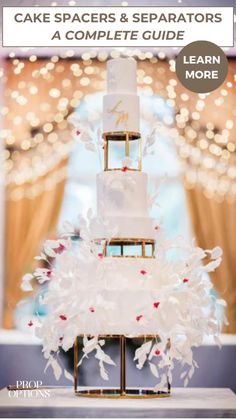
x,y
189,402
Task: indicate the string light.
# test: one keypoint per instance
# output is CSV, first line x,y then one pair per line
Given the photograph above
x,y
207,150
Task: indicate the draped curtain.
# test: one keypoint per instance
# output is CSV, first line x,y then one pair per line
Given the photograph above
x,y
50,89
214,224
28,223
214,221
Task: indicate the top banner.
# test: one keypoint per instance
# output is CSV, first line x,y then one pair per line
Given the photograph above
x,y
116,26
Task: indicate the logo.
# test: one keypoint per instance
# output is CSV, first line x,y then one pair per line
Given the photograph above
x,y
28,390
121,116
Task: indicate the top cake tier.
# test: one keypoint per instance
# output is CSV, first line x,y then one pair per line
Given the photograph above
x,y
121,103
121,76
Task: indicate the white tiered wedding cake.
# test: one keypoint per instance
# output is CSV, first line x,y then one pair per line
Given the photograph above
x,y
121,103
122,221
118,283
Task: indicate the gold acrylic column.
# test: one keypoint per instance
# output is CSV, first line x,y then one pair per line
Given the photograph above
x,y
122,365
76,364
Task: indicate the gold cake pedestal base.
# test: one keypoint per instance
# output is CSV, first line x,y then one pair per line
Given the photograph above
x,y
123,391
130,393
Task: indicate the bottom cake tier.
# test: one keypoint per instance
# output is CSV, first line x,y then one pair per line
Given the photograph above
x,y
126,299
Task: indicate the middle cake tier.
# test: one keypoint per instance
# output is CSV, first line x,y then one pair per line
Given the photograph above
x,y
122,206
123,227
122,193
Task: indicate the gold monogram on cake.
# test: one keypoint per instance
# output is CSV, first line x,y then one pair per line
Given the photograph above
x,y
121,116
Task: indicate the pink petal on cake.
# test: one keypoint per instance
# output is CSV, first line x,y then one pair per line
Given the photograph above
x,y
143,272
60,249
63,317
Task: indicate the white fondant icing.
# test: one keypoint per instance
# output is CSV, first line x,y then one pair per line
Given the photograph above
x,y
116,321
121,75
124,284
121,112
124,227
122,193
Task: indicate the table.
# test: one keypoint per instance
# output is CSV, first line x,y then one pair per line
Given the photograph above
x,y
217,366
184,403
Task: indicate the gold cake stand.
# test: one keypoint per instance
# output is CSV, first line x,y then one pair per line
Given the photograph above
x,y
142,243
124,137
123,391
